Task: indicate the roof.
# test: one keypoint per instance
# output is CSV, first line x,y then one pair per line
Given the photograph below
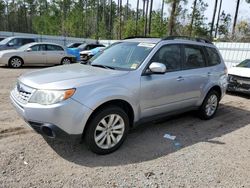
x,y
33,43
24,37
146,40
180,39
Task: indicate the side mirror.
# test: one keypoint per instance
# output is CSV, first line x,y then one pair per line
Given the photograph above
x,y
157,68
29,50
11,44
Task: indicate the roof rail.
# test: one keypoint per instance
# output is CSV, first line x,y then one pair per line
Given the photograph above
x,y
188,38
133,37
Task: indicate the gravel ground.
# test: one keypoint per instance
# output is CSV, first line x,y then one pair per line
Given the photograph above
x,y
213,153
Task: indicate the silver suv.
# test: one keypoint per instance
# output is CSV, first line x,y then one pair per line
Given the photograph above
x,y
132,81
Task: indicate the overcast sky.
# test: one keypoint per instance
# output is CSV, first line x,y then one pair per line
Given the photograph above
x,y
227,5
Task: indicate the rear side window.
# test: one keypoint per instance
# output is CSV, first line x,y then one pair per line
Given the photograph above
x,y
26,41
54,48
170,55
40,47
213,57
194,57
16,42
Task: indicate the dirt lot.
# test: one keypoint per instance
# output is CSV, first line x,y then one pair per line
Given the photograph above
x,y
213,153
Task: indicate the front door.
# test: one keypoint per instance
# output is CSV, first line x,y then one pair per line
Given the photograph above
x,y
161,93
35,55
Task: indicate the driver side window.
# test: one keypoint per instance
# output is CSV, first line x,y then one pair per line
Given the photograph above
x,y
35,48
170,55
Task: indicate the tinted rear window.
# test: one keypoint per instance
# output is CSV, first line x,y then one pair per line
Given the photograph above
x,y
213,57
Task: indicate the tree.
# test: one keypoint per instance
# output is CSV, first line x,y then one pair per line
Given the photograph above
x,y
150,17
224,23
146,19
137,16
218,18
197,25
214,13
171,24
192,17
235,17
162,9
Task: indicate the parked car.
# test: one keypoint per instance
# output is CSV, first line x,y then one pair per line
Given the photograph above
x,y
239,77
131,82
15,42
87,54
90,46
74,44
36,53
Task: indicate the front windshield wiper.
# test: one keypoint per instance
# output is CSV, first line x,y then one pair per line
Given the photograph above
x,y
102,66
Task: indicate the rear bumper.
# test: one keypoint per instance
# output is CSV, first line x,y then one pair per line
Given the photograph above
x,y
65,120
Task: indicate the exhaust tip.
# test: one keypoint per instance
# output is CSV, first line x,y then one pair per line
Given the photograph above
x,y
48,131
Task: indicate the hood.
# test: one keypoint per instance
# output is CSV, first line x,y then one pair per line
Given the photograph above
x,y
240,71
68,76
85,52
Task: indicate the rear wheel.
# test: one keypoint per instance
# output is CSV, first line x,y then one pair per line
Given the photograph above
x,y
15,62
66,61
209,106
107,130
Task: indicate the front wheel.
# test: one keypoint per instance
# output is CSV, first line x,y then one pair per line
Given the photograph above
x,y
107,130
15,62
209,106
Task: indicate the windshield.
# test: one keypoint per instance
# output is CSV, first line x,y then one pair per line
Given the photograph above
x,y
82,46
5,41
124,55
245,64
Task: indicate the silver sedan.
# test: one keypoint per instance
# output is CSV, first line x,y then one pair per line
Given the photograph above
x,y
36,54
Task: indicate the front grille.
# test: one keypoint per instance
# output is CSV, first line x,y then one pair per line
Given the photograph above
x,y
22,93
239,80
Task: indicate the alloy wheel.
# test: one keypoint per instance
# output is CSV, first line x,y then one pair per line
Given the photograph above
x,y
211,105
109,131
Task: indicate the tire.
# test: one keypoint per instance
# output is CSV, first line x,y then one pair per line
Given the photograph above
x,y
15,62
65,61
209,106
104,139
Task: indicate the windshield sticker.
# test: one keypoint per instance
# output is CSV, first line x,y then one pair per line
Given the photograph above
x,y
133,66
146,45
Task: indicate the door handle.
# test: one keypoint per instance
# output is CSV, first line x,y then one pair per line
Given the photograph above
x,y
180,78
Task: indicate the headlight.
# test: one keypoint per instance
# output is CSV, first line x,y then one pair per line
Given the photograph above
x,y
46,97
230,78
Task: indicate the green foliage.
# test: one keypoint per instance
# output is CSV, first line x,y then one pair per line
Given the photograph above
x,y
224,23
98,19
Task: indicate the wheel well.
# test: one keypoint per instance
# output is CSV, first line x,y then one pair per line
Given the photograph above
x,y
120,103
14,57
217,89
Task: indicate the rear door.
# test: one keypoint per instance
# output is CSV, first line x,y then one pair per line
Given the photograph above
x,y
55,54
195,71
37,55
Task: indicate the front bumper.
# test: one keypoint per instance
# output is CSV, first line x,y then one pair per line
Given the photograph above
x,y
239,84
238,88
3,61
66,119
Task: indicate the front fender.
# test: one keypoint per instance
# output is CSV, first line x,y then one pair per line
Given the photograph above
x,y
96,96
